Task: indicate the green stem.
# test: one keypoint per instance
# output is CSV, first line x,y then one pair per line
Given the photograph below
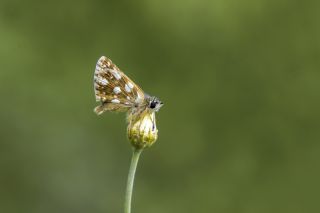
x,y
133,166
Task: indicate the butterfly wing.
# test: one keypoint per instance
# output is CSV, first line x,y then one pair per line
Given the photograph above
x,y
115,90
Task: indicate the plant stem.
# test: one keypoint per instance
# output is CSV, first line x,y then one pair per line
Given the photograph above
x,y
132,170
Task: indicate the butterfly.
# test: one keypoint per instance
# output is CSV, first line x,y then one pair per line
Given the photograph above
x,y
118,93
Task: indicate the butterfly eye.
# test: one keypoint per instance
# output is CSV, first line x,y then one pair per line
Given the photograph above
x,y
153,104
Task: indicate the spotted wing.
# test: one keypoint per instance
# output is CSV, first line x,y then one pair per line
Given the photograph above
x,y
114,89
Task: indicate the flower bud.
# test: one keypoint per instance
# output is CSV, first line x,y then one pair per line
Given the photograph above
x,y
142,130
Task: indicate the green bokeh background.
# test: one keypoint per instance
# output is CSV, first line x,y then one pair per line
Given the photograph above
x,y
239,131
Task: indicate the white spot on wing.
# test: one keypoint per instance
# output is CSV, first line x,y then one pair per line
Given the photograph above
x,y
115,101
127,88
116,74
139,98
101,60
116,90
128,98
102,81
130,85
98,68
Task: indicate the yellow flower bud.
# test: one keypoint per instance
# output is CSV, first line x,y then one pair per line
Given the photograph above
x,y
142,130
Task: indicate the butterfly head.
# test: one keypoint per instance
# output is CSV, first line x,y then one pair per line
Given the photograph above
x,y
154,104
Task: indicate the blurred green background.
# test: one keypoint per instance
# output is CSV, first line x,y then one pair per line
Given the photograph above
x,y
239,131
